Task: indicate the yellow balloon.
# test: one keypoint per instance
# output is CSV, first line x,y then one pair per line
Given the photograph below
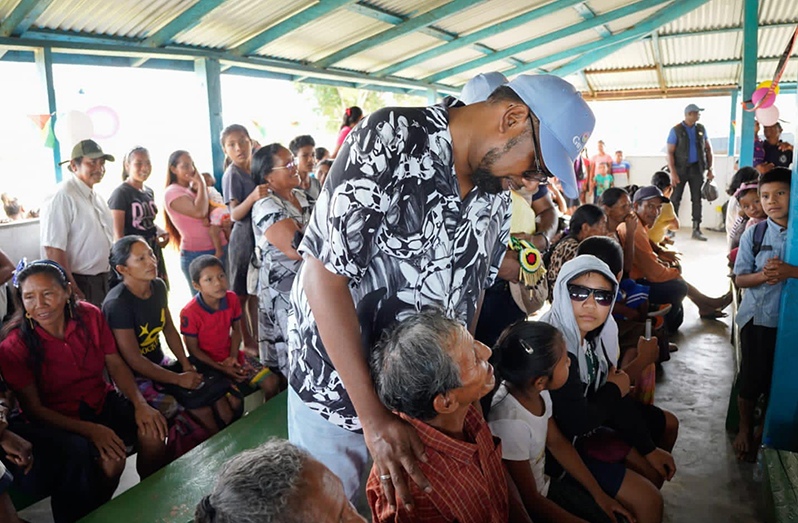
x,y
768,84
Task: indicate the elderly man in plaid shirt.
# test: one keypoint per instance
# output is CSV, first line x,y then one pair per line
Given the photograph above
x,y
431,371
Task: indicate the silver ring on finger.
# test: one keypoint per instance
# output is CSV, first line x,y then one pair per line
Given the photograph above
x,y
385,477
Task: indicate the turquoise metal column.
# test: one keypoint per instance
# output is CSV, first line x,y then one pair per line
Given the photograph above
x,y
209,74
781,426
750,25
432,96
732,119
44,65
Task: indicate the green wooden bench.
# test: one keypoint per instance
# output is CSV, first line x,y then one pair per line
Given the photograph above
x,y
22,500
780,482
171,494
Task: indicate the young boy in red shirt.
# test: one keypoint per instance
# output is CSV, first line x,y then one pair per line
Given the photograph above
x,y
211,326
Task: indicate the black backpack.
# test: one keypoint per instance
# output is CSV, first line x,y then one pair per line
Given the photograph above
x,y
759,236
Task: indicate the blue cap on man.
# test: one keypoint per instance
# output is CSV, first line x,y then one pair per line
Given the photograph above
x,y
566,123
481,86
692,108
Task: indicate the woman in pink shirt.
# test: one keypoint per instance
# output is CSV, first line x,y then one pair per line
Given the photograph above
x,y
351,117
186,200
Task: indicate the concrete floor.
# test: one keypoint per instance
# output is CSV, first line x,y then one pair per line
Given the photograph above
x,y
710,486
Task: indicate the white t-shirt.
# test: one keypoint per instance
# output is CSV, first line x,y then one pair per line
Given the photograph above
x,y
522,433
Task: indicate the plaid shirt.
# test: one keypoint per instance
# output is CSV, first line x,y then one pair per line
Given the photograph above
x,y
468,482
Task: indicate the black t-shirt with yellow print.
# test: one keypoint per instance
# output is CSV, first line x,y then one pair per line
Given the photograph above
x,y
147,318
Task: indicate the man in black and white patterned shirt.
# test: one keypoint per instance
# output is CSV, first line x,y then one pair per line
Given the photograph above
x,y
415,212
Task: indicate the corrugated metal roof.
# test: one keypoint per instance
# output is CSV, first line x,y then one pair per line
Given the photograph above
x,y
704,75
234,22
130,18
625,80
638,54
389,52
324,36
487,14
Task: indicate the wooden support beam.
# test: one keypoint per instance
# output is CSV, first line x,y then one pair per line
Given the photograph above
x,y
658,61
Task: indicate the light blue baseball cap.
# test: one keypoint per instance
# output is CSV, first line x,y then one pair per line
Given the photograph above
x,y
479,88
566,123
692,108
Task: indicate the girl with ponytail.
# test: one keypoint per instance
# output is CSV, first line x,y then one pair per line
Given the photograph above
x,y
530,359
352,116
133,206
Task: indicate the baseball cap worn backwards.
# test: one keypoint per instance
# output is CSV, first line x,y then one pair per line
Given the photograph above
x,y
649,192
566,123
692,108
88,149
481,86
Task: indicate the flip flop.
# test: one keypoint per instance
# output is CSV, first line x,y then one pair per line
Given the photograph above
x,y
661,310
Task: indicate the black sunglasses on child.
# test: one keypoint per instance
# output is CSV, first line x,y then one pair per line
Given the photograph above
x,y
581,293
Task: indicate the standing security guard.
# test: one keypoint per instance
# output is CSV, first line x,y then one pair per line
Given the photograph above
x,y
689,155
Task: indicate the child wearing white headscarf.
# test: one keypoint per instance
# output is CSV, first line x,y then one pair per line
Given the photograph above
x,y
596,394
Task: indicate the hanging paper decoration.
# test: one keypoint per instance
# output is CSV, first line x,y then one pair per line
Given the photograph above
x,y
44,122
261,129
105,121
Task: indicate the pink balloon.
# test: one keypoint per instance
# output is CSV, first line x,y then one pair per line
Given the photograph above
x,y
759,94
767,115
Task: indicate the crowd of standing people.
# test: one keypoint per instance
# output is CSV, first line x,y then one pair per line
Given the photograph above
x,y
387,286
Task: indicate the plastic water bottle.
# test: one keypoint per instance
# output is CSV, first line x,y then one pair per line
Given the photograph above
x,y
759,470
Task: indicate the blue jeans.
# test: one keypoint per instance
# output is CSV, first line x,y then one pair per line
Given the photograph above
x,y
344,452
186,257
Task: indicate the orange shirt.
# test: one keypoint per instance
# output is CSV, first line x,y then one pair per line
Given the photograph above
x,y
646,263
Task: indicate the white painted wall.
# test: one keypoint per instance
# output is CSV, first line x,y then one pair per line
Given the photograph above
x,y
20,239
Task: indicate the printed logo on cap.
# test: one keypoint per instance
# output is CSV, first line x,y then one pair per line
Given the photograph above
x,y
580,141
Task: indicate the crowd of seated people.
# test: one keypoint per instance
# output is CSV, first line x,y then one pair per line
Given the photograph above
x,y
381,289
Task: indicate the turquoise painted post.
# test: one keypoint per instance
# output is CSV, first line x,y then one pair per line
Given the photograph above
x,y
732,119
781,425
432,96
44,65
750,26
209,74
